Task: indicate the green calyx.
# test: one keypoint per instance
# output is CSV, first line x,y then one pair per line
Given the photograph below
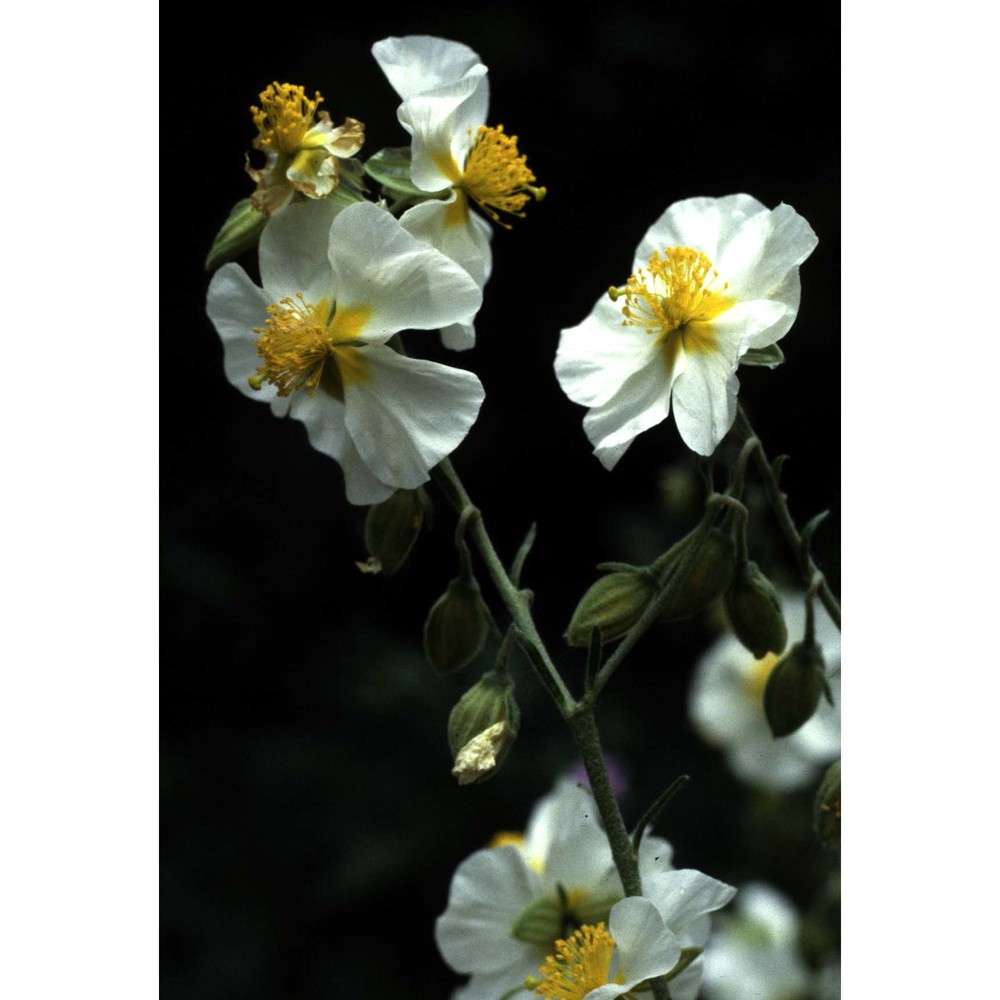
x,y
613,604
794,687
456,627
754,611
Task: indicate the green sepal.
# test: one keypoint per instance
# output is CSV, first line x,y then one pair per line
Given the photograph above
x,y
456,627
392,527
754,611
391,168
793,688
613,604
239,233
688,955
541,922
594,909
826,808
764,357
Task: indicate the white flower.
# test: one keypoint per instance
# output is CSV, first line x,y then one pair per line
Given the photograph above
x,y
755,951
312,341
726,707
510,903
598,964
713,279
302,154
445,95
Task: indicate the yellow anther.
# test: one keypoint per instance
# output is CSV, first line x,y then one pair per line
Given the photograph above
x,y
505,837
300,338
496,177
284,117
582,963
674,293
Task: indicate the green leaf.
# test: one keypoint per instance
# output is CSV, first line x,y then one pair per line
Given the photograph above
x,y
765,357
239,233
391,168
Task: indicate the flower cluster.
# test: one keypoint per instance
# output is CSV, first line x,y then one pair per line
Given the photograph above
x,y
521,905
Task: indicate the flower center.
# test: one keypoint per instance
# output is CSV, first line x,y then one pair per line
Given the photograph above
x,y
496,178
759,673
582,962
673,294
300,338
284,117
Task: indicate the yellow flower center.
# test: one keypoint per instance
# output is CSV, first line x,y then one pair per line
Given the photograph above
x,y
284,117
505,837
304,345
759,673
673,300
582,962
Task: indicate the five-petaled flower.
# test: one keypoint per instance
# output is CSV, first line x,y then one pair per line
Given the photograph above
x,y
726,707
715,283
313,341
445,95
302,154
512,902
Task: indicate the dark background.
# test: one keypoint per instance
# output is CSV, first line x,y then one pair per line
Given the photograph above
x,y
310,825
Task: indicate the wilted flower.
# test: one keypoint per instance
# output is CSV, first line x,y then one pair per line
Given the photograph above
x,y
715,283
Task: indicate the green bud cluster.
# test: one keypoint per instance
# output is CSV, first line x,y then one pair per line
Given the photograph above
x,y
456,627
482,726
794,688
754,611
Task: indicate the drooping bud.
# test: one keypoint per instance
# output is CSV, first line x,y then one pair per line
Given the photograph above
x,y
826,808
239,233
794,688
754,611
705,580
456,627
482,727
614,604
392,527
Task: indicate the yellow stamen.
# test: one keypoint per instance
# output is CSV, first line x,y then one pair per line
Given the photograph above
x,y
496,178
581,963
300,338
759,673
284,117
674,295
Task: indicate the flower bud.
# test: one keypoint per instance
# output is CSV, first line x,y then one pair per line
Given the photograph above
x,y
392,527
456,627
482,727
754,611
794,687
239,233
704,581
826,809
614,604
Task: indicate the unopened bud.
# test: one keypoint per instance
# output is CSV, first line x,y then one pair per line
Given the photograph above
x,y
614,604
754,611
826,809
482,727
392,527
704,581
794,688
456,627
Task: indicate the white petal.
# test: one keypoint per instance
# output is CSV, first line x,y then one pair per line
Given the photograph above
x,y
488,892
443,123
764,249
407,285
707,224
416,63
641,402
567,806
645,945
686,985
293,250
411,414
684,895
235,306
458,336
787,294
466,243
655,855
599,355
323,416
704,396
